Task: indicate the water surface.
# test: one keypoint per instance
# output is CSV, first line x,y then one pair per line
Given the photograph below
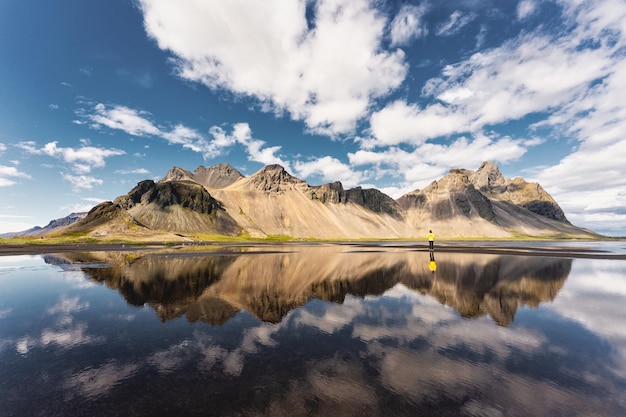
x,y
314,329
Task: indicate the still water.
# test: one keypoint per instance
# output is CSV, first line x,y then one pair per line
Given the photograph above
x,y
315,330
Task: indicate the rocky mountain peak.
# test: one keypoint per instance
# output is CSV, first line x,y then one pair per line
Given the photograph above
x,y
217,176
177,174
488,178
274,178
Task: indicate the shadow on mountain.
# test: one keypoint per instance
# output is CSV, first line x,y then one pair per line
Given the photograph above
x,y
213,288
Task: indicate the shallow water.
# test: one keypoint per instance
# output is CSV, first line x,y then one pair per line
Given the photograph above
x,y
312,330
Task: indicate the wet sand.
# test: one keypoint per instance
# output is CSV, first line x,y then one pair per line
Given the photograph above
x,y
553,249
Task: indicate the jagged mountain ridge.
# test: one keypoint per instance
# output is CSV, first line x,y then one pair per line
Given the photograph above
x,y
217,176
220,200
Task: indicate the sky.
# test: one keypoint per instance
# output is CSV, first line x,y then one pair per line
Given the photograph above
x,y
96,96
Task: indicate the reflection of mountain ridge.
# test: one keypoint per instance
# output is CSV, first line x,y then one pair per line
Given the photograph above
x,y
212,288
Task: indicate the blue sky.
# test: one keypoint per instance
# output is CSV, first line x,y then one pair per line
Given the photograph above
x,y
96,96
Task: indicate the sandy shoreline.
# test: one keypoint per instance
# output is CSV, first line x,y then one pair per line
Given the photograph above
x,y
497,248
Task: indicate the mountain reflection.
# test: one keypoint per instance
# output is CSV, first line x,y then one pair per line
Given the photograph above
x,y
213,287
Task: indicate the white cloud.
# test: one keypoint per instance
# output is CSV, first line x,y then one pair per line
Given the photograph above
x,y
3,148
81,207
7,173
123,118
400,122
455,23
136,171
529,74
327,75
408,25
330,169
189,139
242,134
82,181
137,123
526,8
82,159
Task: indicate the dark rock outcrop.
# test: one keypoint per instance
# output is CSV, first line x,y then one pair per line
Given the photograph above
x,y
187,194
372,199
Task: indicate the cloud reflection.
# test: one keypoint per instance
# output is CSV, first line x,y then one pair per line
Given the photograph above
x,y
93,382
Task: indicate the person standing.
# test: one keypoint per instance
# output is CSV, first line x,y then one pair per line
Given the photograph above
x,y
431,240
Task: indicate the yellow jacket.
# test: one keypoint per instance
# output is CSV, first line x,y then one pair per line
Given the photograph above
x,y
431,237
432,265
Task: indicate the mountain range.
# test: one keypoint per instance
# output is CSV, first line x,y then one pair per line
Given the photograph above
x,y
220,201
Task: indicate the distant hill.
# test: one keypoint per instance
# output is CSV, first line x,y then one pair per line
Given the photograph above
x,y
50,227
219,200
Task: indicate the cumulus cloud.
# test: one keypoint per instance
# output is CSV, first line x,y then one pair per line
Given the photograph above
x,y
82,181
82,160
242,134
138,123
326,72
129,120
408,25
330,169
526,75
7,175
526,8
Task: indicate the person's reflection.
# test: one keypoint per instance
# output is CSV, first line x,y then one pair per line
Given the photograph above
x,y
432,265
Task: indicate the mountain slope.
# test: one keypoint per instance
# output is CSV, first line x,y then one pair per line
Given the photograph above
x,y
273,202
489,180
